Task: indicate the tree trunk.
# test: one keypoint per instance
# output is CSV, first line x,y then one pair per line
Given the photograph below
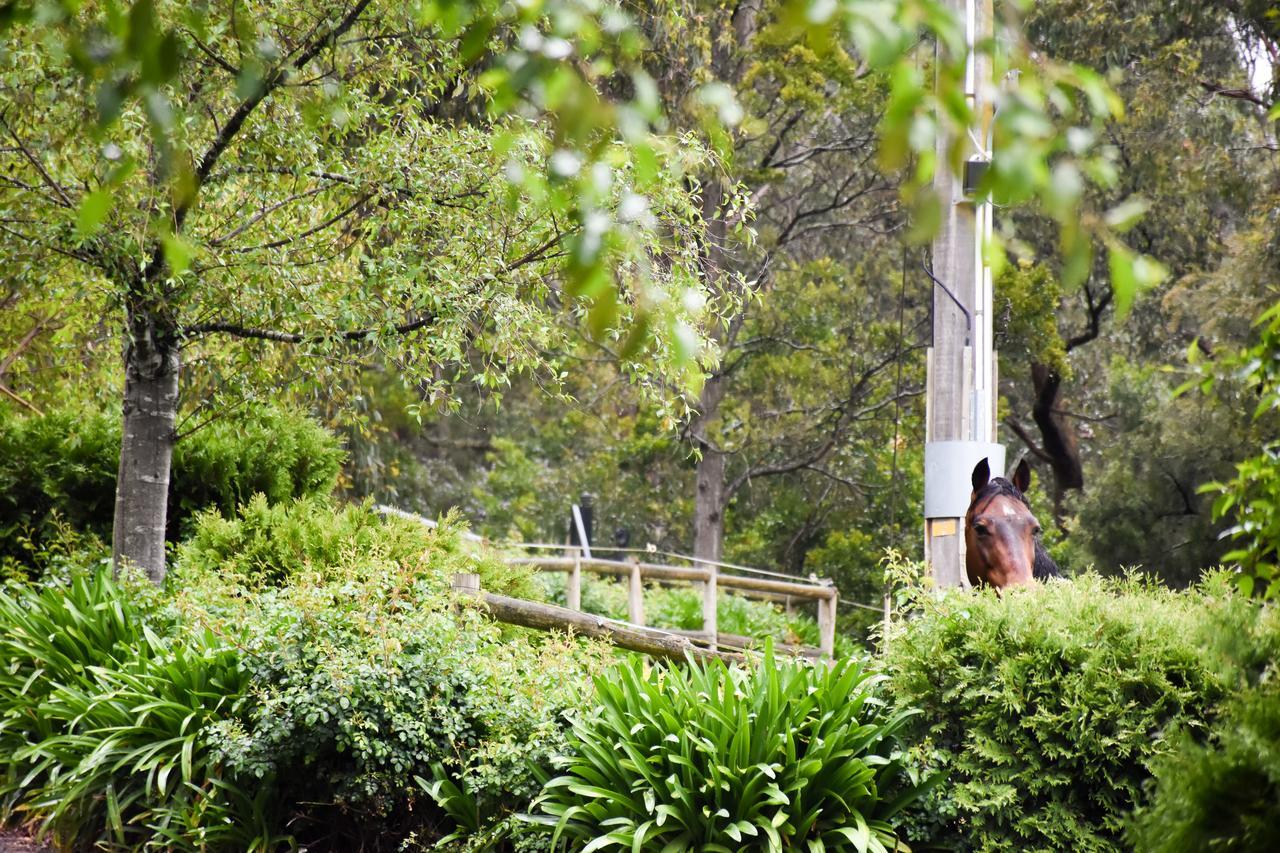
x,y
146,452
708,512
1059,441
709,502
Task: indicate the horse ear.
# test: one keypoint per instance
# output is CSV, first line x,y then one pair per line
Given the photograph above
x,y
1022,476
981,474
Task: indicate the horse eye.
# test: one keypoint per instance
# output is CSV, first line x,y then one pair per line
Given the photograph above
x,y
1035,531
981,529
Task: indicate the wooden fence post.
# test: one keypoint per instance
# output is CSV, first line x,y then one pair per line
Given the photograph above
x,y
465,584
573,588
827,624
635,593
710,622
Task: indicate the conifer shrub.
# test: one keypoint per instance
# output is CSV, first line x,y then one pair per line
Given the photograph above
x,y
1048,708
268,544
773,755
1219,789
58,471
276,452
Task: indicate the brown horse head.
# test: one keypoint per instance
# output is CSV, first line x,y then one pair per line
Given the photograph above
x,y
1001,534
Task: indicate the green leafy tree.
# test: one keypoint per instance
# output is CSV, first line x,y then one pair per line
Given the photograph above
x,y
316,158
1175,162
258,172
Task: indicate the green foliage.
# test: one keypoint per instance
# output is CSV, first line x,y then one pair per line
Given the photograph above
x,y
278,453
60,467
719,758
1252,500
103,723
1220,789
1028,295
58,471
242,708
135,75
1252,497
1141,508
363,683
266,544
1046,707
363,675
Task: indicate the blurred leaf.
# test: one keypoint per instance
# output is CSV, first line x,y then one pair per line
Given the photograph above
x,y
177,253
1124,282
1125,215
93,209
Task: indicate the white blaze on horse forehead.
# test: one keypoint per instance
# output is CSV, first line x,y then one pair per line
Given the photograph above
x,y
1008,510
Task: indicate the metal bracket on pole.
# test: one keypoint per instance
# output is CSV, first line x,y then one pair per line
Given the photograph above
x,y
948,470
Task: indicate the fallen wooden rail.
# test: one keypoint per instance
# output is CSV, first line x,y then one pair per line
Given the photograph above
x,y
549,617
824,594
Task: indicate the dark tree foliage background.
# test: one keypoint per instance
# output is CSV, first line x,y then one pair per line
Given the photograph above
x,y
815,415
469,373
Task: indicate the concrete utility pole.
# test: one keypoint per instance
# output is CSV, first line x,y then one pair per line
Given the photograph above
x,y
961,398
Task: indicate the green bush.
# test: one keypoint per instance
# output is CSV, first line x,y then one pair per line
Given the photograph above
x,y
365,678
238,709
1046,707
60,469
103,723
278,453
266,544
711,757
1220,790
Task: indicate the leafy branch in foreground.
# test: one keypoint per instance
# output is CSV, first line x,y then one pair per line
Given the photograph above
x,y
1251,499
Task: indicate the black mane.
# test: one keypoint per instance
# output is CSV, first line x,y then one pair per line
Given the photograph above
x,y
996,487
1044,566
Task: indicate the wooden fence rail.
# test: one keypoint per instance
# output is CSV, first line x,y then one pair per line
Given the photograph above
x,y
707,576
550,617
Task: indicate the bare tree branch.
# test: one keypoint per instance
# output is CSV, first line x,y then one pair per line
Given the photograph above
x,y
39,165
237,330
1217,89
1021,432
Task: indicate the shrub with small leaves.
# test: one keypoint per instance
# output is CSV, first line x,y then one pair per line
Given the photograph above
x,y
1220,789
60,469
712,757
367,680
1046,707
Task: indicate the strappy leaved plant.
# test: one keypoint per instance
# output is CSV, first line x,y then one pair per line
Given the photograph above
x,y
711,757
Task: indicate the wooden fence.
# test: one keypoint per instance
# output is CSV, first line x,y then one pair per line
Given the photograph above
x,y
707,576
